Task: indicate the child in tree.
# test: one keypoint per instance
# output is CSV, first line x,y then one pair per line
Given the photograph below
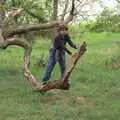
x,y
57,52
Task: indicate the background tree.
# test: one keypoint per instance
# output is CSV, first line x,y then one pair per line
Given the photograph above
x,y
106,21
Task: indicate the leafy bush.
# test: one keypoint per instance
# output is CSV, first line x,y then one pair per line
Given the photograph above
x,y
107,21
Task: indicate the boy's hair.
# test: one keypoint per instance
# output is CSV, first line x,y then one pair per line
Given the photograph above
x,y
62,27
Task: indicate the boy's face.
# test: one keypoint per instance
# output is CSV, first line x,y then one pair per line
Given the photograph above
x,y
63,32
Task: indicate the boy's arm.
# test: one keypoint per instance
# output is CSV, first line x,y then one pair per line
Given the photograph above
x,y
70,42
69,52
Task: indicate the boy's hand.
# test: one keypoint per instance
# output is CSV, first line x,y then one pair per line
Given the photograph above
x,y
86,41
77,46
74,54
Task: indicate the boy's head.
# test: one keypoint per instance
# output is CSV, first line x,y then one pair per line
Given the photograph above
x,y
62,29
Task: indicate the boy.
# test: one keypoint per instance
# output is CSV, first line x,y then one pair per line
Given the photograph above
x,y
57,52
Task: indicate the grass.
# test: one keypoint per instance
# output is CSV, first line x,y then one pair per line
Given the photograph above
x,y
95,91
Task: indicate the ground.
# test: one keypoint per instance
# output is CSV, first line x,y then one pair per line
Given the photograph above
x,y
95,91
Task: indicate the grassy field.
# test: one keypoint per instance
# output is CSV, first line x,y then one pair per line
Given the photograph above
x,y
95,91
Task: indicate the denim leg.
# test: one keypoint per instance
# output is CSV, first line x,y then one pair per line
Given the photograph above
x,y
61,61
50,65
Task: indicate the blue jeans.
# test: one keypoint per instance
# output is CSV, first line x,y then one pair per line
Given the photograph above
x,y
54,57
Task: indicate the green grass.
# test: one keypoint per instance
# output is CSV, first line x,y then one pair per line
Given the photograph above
x,y
95,91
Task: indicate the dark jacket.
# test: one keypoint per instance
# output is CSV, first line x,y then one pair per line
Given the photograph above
x,y
60,43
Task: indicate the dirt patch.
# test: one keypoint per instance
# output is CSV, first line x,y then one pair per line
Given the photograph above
x,y
83,100
108,51
45,99
11,118
114,64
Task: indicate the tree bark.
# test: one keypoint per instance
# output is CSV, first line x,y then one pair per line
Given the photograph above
x,y
72,14
1,38
2,14
55,9
64,11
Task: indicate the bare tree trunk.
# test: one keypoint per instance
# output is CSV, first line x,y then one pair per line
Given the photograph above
x,y
71,15
54,17
1,38
64,11
2,14
55,9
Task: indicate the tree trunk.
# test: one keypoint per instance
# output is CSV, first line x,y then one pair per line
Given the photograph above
x,y
1,38
54,17
55,9
2,14
64,11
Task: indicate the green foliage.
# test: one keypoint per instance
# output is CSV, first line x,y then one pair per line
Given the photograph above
x,y
113,62
107,21
34,11
94,93
77,31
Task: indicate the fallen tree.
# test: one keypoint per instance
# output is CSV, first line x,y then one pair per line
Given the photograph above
x,y
61,83
8,37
